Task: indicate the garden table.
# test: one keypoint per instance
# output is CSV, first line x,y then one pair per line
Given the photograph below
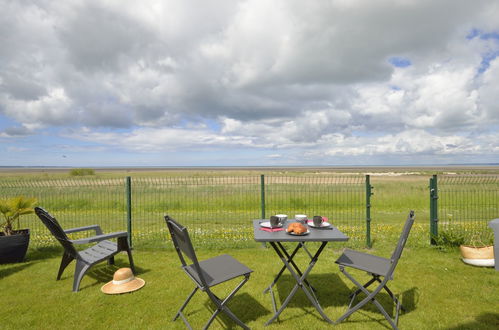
x,y
276,238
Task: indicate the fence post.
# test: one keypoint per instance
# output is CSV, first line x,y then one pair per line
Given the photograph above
x,y
433,209
262,195
129,209
369,193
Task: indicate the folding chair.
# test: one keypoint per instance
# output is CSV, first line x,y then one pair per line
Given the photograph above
x,y
207,273
378,268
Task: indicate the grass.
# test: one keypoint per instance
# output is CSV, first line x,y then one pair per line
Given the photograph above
x,y
438,290
436,287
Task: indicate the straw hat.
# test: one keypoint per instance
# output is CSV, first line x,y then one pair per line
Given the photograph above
x,y
123,281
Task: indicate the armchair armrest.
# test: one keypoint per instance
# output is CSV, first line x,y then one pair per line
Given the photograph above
x,y
98,230
99,238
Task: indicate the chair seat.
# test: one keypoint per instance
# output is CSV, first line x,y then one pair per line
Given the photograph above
x,y
366,262
101,251
218,270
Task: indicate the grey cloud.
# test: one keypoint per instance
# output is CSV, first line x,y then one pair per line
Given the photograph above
x,y
105,115
98,38
21,88
16,131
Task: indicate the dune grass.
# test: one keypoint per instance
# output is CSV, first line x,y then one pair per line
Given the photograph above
x,y
438,290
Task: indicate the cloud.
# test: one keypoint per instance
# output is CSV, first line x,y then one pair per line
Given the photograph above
x,y
16,131
266,75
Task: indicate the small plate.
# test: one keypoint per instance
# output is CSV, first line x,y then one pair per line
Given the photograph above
x,y
305,233
323,225
266,224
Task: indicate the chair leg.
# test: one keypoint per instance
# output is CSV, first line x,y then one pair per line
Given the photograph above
x,y
356,292
65,261
110,261
221,305
80,270
123,246
370,297
397,302
130,260
179,313
229,313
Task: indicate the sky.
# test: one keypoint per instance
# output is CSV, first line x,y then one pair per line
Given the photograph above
x,y
248,83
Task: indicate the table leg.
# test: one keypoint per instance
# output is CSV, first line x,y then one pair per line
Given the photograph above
x,y
290,259
300,280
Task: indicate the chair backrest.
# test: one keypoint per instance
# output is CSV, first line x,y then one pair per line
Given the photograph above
x,y
183,246
55,228
402,240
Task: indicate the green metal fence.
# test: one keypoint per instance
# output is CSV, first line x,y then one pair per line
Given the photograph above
x,y
463,204
75,202
216,209
340,198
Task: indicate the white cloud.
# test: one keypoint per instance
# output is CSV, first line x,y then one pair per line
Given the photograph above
x,y
303,77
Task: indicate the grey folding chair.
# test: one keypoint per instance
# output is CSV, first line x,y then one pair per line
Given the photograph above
x,y
103,250
378,268
207,273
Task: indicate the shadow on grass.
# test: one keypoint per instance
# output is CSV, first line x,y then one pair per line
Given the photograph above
x,y
33,256
101,273
331,291
244,306
46,252
11,269
408,298
482,321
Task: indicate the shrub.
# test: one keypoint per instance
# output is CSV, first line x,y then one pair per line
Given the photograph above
x,y
81,171
12,209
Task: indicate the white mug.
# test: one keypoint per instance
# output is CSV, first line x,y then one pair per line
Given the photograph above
x,y
282,218
301,218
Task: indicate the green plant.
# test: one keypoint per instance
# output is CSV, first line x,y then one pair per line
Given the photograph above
x,y
12,209
479,239
81,172
450,237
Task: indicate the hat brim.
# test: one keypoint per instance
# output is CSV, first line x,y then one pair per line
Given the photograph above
x,y
133,285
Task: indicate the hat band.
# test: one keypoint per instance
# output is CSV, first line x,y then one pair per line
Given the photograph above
x,y
123,281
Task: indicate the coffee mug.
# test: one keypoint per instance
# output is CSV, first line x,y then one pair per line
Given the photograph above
x,y
282,218
318,220
274,221
301,218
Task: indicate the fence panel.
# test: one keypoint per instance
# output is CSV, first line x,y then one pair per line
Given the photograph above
x,y
74,202
340,198
466,203
217,210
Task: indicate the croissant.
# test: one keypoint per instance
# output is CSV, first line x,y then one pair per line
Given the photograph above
x,y
296,228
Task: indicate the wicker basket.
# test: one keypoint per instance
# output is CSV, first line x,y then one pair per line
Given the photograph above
x,y
470,252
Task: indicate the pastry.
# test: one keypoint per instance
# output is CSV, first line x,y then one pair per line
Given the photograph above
x,y
296,228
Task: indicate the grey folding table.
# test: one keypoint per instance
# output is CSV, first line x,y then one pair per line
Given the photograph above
x,y
276,238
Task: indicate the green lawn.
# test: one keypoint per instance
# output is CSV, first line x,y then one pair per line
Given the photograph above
x,y
438,290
